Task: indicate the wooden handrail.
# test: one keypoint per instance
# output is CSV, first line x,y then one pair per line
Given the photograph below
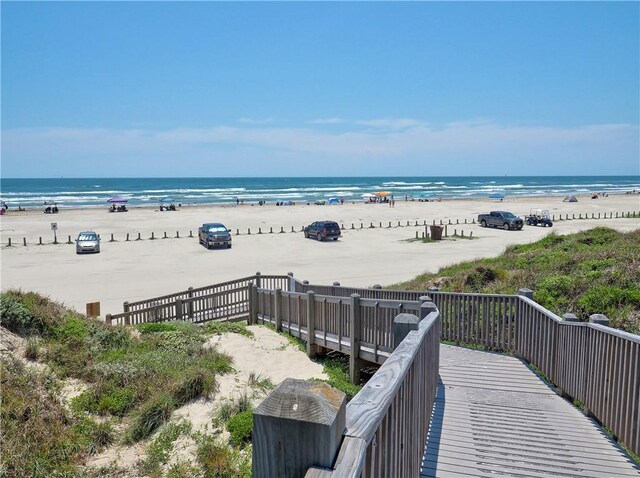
x,y
402,391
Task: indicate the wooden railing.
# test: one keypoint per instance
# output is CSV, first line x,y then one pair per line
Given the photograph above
x,y
361,328
223,301
388,420
596,366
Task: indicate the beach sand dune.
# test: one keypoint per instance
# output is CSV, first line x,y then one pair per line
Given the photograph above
x,y
135,270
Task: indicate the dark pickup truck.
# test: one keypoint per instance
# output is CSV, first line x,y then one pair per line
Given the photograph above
x,y
503,219
214,234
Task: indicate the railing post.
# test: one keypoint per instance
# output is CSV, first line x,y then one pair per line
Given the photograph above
x,y
178,309
190,303
426,306
250,303
354,337
299,425
125,306
292,282
107,319
402,325
312,350
568,317
278,310
528,293
258,281
599,319
254,302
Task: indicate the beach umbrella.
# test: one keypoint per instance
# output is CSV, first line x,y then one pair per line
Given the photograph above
x,y
115,199
383,193
368,195
334,201
497,196
167,200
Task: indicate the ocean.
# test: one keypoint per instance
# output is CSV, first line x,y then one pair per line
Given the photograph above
x,y
95,192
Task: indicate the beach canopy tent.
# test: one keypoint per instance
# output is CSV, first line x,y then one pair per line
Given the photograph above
x,y
334,201
497,196
570,199
116,199
167,200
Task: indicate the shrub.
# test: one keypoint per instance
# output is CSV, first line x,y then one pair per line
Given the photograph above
x,y
178,342
194,385
70,358
215,327
174,326
240,427
604,299
32,349
118,402
219,461
36,438
16,317
151,416
481,277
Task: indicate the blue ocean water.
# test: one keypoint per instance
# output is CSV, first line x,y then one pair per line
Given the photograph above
x,y
94,192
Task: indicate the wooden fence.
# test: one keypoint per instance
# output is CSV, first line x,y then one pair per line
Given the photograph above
x,y
385,424
596,366
361,328
388,420
223,301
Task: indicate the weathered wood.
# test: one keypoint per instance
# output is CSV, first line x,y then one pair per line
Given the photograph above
x,y
312,348
299,425
354,336
402,325
522,423
278,309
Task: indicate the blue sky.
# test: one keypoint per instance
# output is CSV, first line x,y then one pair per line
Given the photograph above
x,y
319,89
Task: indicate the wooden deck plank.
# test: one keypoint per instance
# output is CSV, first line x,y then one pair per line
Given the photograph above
x,y
494,417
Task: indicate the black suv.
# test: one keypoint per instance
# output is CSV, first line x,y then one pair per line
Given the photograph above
x,y
322,230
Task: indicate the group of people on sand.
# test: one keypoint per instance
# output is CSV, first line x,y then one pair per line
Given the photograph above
x,y
170,207
121,208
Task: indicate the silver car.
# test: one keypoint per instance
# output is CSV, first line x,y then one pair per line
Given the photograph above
x,y
87,241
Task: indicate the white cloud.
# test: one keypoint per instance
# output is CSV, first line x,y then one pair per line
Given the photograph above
x,y
256,121
401,146
327,121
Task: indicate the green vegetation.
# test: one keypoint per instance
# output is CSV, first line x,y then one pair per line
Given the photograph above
x,y
38,437
228,327
591,272
219,461
134,381
239,427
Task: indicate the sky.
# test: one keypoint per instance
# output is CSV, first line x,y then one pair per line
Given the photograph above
x,y
217,89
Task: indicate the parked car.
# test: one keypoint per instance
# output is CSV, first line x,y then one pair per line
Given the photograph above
x,y
322,230
87,241
539,217
214,234
504,219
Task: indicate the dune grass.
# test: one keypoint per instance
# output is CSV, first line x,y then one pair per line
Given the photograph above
x,y
591,272
134,380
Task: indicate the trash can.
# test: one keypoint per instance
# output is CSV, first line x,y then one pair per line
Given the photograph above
x,y
436,232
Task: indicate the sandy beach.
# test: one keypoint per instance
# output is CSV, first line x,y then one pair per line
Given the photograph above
x,y
139,269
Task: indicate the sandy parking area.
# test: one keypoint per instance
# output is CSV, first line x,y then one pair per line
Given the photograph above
x,y
142,269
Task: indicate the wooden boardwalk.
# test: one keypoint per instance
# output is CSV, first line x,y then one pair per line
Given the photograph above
x,y
493,417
